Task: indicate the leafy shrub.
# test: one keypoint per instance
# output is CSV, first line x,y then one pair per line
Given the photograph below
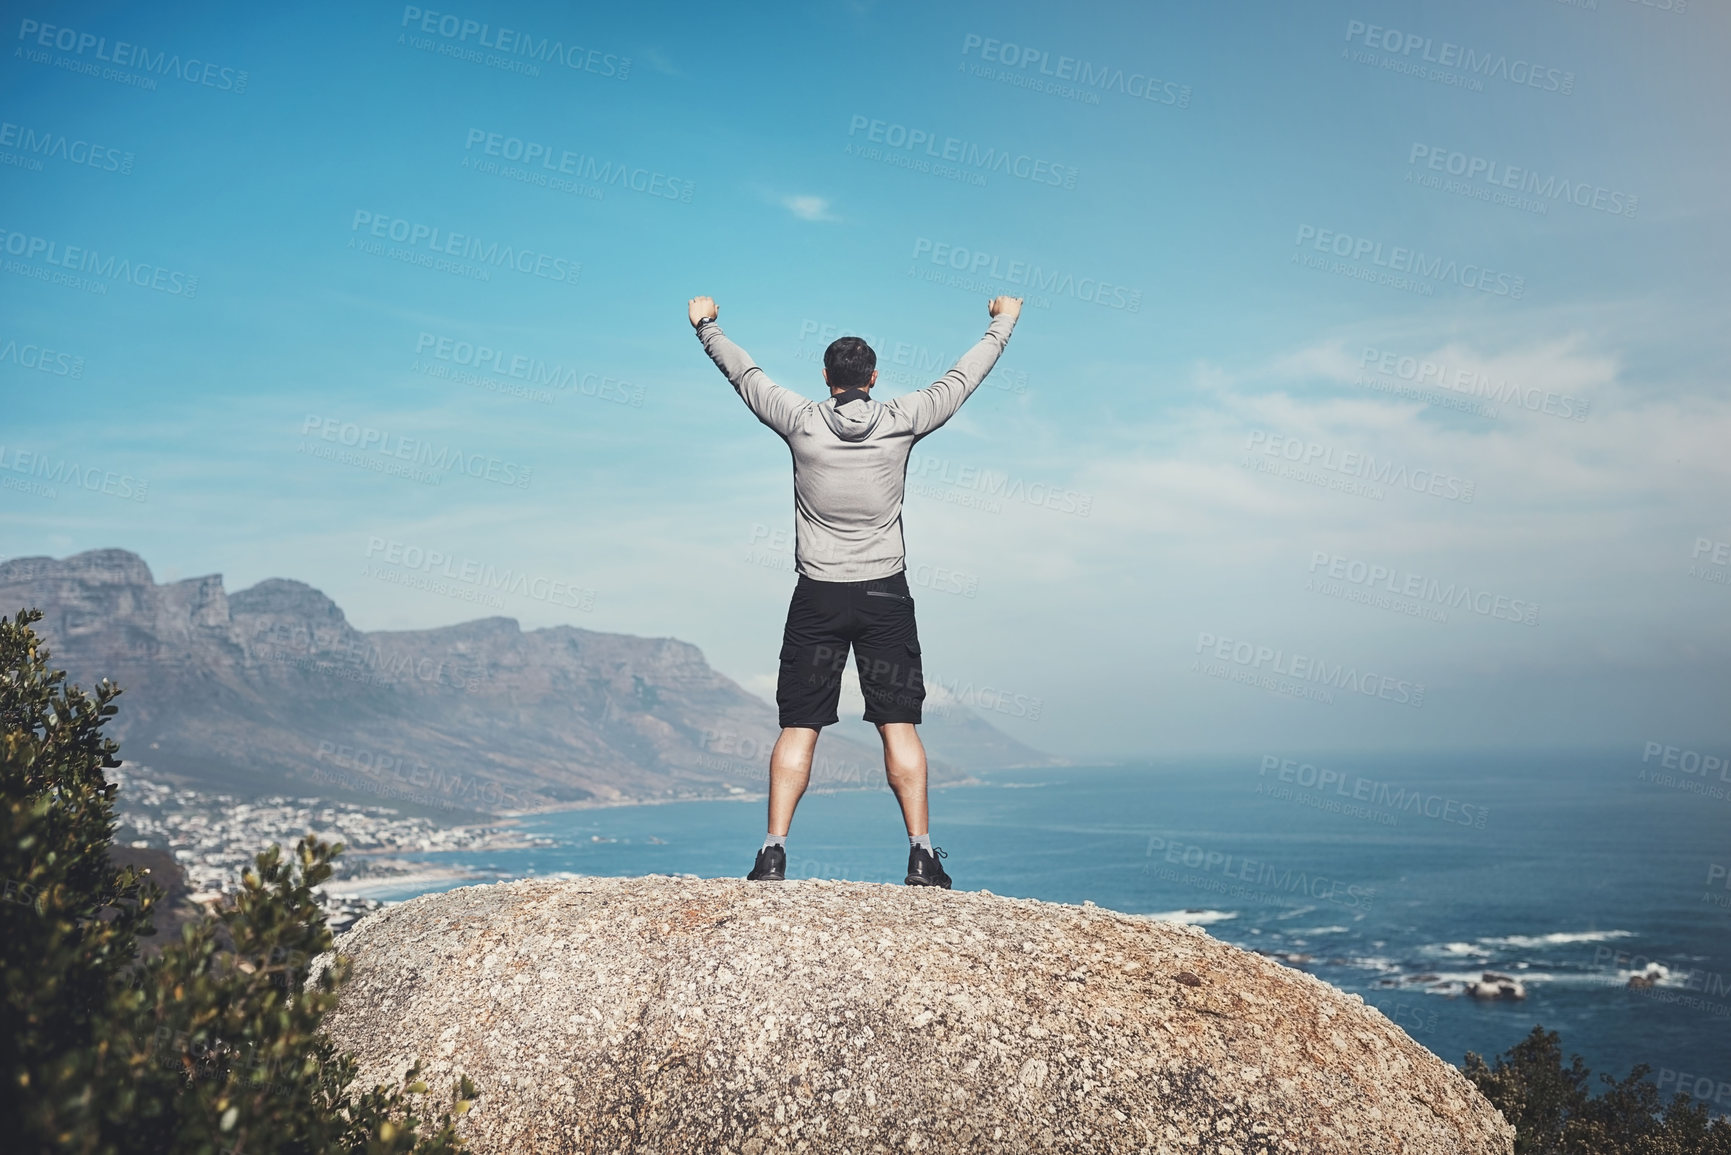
x,y
212,1045
1555,1114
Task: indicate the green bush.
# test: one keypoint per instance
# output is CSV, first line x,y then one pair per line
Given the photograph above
x,y
1555,1114
212,1045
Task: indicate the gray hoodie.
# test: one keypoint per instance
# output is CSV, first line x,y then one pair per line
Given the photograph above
x,y
850,462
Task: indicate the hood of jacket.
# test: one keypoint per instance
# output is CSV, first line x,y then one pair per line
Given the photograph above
x,y
853,421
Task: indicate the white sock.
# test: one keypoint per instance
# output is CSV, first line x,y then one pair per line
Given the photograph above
x,y
770,840
921,840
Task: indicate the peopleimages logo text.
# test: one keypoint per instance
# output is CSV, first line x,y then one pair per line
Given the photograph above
x,y
60,471
926,469
1404,584
1378,793
41,358
468,570
437,460
87,260
1478,169
1447,54
1688,761
410,769
579,165
1423,371
903,362
1023,274
513,42
465,247
485,360
125,55
1005,161
1259,873
58,146
1353,463
1082,73
1404,260
1306,668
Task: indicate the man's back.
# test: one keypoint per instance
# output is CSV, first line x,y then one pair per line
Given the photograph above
x,y
850,459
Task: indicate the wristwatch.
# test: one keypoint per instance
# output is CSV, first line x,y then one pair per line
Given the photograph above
x,y
702,323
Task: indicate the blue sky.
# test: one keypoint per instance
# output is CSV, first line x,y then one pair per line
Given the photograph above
x,y
1468,249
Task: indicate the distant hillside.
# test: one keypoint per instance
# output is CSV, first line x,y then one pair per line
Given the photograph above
x,y
270,688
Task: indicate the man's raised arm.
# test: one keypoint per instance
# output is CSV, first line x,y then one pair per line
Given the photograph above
x,y
937,403
774,406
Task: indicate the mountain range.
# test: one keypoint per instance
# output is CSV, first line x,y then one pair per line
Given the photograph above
x,y
270,689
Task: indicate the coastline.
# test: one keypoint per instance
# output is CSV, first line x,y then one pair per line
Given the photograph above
x,y
372,886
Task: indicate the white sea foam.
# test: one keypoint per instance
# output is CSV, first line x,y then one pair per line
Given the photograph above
x,y
1453,983
1559,938
1193,917
1662,976
395,888
1374,963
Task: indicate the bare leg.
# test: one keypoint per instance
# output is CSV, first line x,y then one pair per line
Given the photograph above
x,y
905,767
789,771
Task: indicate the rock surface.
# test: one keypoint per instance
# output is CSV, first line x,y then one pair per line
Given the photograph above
x,y
1495,987
683,1015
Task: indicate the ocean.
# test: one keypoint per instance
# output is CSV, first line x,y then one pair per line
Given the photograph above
x,y
1402,879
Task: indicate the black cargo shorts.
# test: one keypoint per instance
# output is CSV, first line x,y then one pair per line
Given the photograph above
x,y
876,618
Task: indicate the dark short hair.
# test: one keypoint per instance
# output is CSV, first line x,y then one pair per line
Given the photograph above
x,y
849,362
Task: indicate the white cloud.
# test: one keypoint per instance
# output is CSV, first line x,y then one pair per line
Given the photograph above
x,y
809,208
1593,520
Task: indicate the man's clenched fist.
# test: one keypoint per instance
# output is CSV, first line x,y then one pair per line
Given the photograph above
x,y
703,309
1010,307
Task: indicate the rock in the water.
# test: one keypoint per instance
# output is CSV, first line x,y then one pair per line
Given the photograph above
x,y
683,1015
1495,986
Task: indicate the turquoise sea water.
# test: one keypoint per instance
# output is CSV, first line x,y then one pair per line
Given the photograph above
x,y
1399,879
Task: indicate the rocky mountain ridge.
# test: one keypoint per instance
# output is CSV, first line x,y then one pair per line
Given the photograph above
x,y
271,688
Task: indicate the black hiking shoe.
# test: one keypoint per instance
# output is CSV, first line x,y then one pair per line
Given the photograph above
x,y
923,868
771,865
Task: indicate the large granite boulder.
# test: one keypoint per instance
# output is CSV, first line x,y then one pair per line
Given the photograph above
x,y
683,1015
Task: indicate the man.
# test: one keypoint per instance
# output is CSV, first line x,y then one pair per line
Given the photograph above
x,y
850,460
